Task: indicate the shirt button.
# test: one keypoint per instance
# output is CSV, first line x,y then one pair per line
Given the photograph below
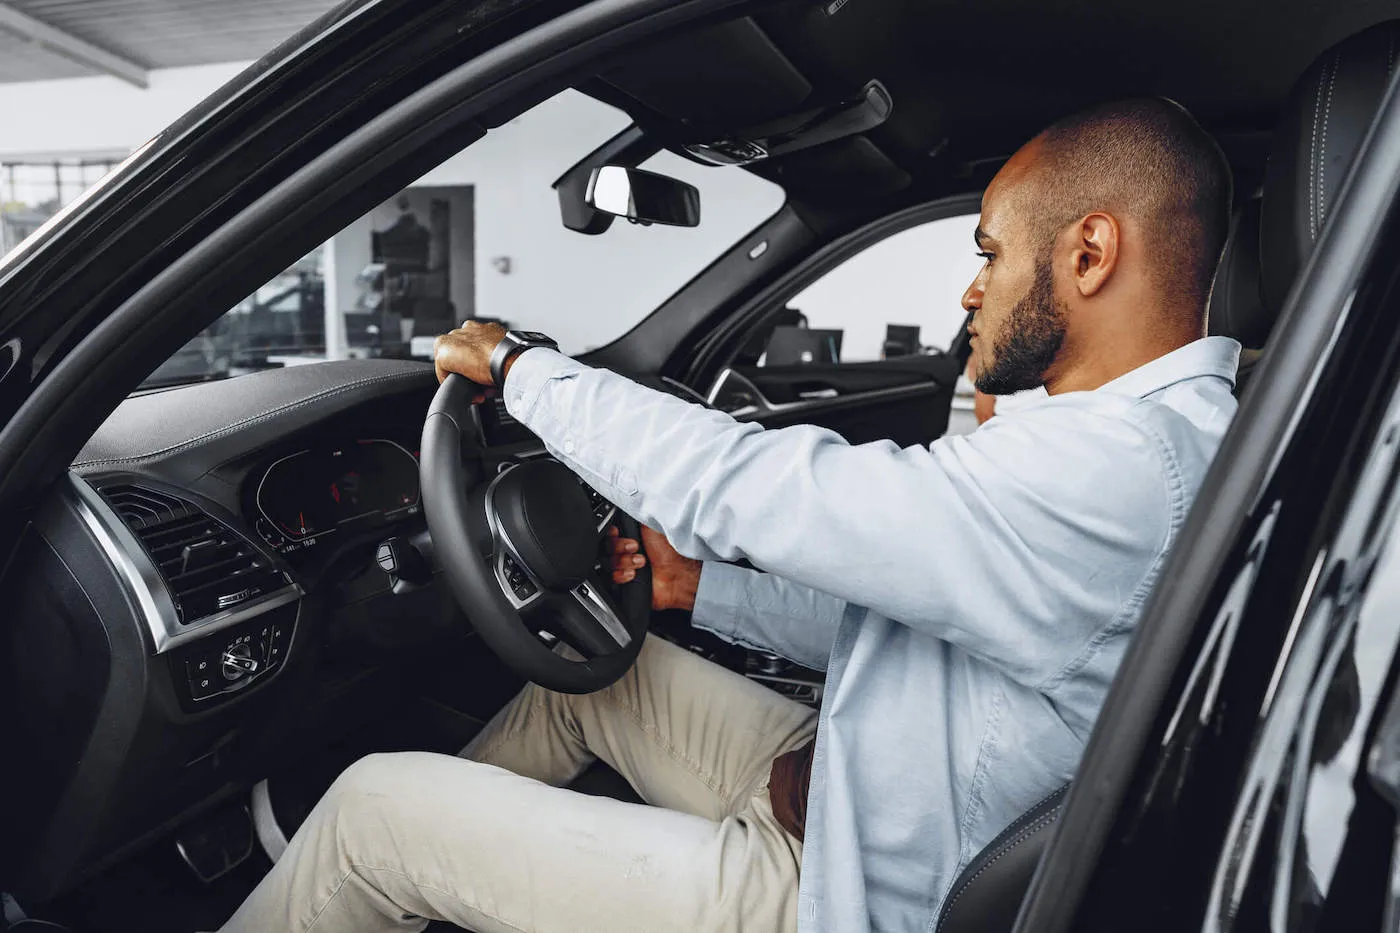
x,y
568,447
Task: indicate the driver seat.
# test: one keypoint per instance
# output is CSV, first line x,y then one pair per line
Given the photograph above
x,y
1324,121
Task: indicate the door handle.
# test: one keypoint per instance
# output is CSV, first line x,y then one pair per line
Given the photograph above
x,y
746,402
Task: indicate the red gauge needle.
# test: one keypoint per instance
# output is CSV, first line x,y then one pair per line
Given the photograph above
x,y
301,517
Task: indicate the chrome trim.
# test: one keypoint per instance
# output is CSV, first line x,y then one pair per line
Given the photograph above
x,y
587,596
139,576
222,620
606,520
677,384
503,547
143,582
763,408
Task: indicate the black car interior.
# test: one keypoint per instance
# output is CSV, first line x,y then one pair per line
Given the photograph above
x,y
192,615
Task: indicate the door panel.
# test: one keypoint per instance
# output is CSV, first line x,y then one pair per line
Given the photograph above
x,y
906,400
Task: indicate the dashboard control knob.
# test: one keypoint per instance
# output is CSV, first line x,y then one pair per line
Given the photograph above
x,y
238,662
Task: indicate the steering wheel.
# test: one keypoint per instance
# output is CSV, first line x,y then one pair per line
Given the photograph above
x,y
518,552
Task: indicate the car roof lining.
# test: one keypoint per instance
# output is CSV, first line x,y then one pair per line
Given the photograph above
x,y
961,75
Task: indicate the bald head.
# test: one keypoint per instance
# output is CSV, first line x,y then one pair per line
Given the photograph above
x,y
1100,238
1147,159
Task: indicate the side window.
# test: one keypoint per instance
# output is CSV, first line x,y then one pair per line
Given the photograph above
x,y
899,297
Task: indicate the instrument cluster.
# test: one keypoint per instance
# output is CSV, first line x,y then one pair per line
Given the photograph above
x,y
303,498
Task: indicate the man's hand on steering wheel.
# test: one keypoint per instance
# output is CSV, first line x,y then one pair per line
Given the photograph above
x,y
674,577
467,352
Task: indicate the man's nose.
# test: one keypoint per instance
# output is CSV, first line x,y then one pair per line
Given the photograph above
x,y
972,298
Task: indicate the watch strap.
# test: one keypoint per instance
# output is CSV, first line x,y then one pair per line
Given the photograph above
x,y
512,343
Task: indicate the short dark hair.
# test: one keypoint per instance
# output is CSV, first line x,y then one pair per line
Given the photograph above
x,y
1149,158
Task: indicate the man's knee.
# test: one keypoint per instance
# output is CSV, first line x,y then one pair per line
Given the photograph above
x,y
385,791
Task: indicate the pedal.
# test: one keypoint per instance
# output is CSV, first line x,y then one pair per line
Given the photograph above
x,y
270,833
218,842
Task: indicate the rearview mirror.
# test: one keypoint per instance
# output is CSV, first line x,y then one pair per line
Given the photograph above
x,y
643,197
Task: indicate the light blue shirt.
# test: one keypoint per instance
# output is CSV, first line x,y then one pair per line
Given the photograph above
x,y
969,601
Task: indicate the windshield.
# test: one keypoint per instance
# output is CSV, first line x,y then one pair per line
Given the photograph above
x,y
480,236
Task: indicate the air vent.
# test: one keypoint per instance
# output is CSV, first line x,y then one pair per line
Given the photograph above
x,y
208,566
502,416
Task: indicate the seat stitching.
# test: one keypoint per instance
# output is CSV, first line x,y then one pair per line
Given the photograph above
x,y
1389,53
1312,161
1022,837
253,419
1322,160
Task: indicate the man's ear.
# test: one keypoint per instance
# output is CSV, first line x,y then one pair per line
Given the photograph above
x,y
1094,251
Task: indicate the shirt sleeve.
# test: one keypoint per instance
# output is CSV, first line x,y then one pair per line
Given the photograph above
x,y
1020,543
768,613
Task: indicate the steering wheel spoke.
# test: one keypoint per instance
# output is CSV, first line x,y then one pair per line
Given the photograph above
x,y
520,552
603,511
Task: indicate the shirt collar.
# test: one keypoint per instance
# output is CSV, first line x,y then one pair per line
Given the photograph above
x,y
1208,356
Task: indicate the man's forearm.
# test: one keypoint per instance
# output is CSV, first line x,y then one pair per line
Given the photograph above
x,y
765,612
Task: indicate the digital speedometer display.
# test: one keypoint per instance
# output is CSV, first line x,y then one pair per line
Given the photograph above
x,y
316,491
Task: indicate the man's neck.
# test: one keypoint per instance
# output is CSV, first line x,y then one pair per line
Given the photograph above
x,y
1091,364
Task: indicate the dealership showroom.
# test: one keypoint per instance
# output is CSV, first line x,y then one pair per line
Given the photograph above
x,y
699,466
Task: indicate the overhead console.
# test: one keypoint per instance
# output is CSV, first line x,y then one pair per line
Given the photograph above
x,y
729,95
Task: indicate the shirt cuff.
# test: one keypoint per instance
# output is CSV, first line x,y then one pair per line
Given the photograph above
x,y
719,598
532,370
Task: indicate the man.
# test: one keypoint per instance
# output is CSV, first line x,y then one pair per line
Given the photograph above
x,y
969,601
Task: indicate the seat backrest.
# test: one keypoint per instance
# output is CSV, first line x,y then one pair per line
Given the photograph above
x,y
1325,119
987,894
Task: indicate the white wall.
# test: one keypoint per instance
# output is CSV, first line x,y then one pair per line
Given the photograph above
x,y
100,115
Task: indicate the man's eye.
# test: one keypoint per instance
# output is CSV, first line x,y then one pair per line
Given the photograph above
x,y
986,256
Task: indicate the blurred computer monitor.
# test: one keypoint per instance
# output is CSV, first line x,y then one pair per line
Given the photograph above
x,y
792,346
901,340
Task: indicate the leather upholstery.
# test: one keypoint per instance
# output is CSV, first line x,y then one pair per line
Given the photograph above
x,y
1325,120
986,896
1327,116
1236,301
181,434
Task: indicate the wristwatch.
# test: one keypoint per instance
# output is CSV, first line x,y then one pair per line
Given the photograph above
x,y
513,343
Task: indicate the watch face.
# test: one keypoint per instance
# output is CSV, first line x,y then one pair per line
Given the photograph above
x,y
533,336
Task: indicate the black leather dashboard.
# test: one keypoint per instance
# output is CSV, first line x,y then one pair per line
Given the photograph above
x,y
181,434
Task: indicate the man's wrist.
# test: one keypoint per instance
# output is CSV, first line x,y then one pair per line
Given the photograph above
x,y
512,344
683,586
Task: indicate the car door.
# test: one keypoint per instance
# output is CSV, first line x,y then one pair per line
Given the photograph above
x,y
871,348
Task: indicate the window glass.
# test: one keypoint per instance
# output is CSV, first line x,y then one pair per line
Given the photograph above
x,y
480,236
900,296
33,191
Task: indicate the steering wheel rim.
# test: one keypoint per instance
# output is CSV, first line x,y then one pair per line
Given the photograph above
x,y
475,526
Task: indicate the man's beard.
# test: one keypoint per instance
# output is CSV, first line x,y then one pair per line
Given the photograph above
x,y
1029,339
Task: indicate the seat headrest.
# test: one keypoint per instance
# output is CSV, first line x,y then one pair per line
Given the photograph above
x,y
1236,305
1327,116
